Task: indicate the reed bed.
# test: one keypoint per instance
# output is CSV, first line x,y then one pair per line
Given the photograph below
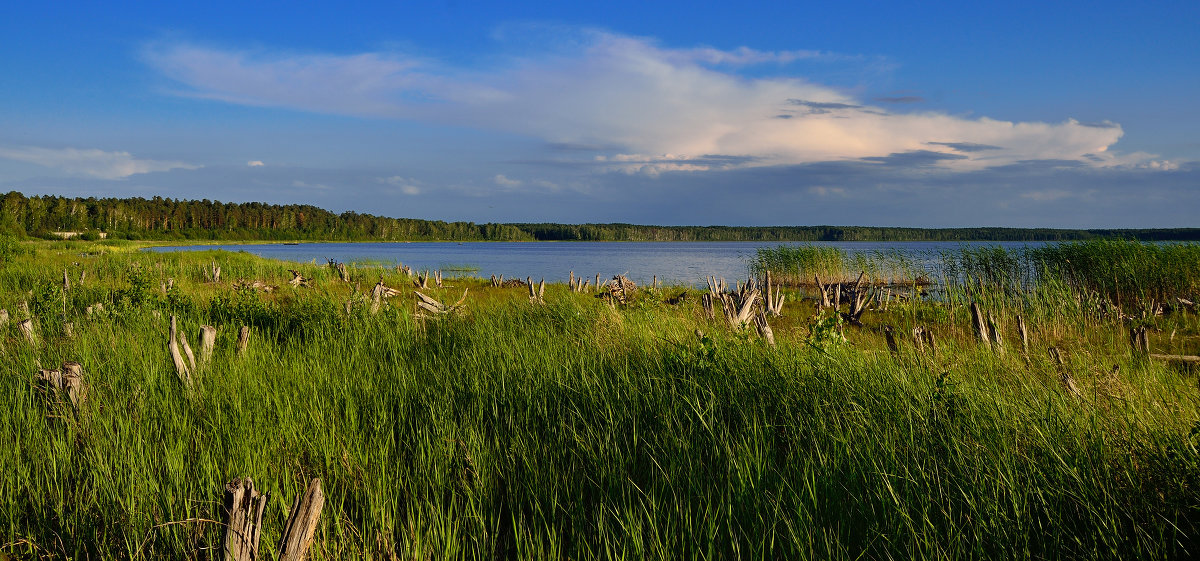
x,y
575,429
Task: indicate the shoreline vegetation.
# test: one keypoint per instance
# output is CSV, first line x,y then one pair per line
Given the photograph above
x,y
1042,404
166,219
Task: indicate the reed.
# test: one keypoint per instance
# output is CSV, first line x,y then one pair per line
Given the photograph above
x,y
576,429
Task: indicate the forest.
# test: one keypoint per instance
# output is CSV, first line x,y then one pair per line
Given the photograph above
x,y
160,218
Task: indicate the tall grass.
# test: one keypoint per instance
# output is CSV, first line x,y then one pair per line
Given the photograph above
x,y
575,430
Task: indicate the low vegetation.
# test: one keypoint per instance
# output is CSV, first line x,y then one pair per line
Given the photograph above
x,y
571,427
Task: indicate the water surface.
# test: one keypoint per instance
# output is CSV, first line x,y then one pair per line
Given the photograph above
x,y
687,263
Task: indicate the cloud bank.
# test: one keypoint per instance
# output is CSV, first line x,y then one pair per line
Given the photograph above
x,y
653,108
90,162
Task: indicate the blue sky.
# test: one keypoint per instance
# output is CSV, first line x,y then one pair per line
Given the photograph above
x,y
930,114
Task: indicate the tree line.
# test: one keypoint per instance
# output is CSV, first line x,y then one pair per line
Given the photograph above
x,y
160,218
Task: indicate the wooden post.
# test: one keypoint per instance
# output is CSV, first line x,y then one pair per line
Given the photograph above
x,y
891,341
243,506
208,339
243,340
376,297
981,328
597,282
173,347
301,526
26,327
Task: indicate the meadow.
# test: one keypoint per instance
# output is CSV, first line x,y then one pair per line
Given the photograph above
x,y
578,428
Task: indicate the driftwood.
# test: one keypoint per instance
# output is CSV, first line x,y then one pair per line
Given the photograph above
x,y
497,281
243,340
187,350
378,293
620,290
824,301
773,301
181,367
254,285
863,296
706,301
437,278
302,522
208,340
422,280
243,506
297,279
68,380
1184,359
427,303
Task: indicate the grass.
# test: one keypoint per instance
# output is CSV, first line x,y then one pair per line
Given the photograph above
x,y
576,430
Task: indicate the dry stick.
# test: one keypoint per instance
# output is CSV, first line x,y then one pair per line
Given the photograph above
x,y
208,339
173,347
997,341
981,328
243,506
891,341
301,525
1140,341
1024,336
243,340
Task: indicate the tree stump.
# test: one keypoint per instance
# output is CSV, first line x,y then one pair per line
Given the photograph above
x,y
173,347
979,323
243,340
208,340
301,525
26,327
243,506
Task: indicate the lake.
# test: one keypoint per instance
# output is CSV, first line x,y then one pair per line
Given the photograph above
x,y
686,263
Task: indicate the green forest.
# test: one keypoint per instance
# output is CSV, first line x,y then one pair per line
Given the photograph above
x,y
160,218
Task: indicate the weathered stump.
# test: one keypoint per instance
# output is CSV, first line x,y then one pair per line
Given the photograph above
x,y
243,340
302,522
243,506
208,340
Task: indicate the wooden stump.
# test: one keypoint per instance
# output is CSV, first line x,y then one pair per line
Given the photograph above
x,y
764,329
301,525
69,380
1139,340
243,506
26,327
243,340
208,339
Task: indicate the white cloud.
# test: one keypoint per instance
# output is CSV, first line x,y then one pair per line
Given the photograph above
x,y
638,97
503,181
406,185
255,163
90,161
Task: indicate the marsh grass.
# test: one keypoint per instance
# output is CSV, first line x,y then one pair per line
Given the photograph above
x,y
577,430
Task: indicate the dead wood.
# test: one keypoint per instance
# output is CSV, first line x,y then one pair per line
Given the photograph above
x,y
764,329
980,325
26,327
243,506
243,339
208,340
297,279
1064,375
1185,359
173,347
301,526
68,381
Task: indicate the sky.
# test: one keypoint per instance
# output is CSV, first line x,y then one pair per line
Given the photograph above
x,y
920,114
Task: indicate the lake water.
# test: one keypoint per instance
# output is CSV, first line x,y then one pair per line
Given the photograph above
x,y
687,263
